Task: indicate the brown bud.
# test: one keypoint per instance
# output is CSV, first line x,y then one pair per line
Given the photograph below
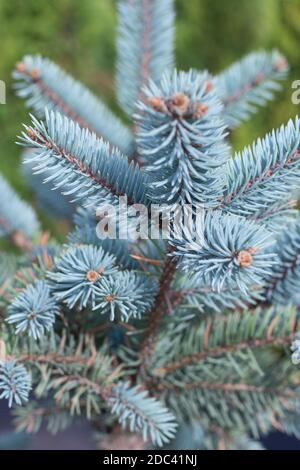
x,y
156,103
44,238
208,86
269,173
92,276
20,240
34,74
200,110
109,298
180,103
31,134
31,316
253,250
20,67
244,258
47,259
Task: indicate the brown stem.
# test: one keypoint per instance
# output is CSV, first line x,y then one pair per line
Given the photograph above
x,y
54,358
58,357
228,388
219,351
36,78
260,77
104,391
270,211
262,178
100,328
159,308
274,282
180,295
58,100
78,164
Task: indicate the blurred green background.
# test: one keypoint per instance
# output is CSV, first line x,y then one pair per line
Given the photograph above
x,y
80,36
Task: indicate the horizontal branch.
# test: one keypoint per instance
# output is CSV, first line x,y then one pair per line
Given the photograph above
x,y
45,85
282,286
81,165
281,393
191,359
56,358
35,76
250,83
264,175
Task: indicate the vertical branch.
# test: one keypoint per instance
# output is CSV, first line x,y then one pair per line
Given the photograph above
x,y
141,52
146,46
157,312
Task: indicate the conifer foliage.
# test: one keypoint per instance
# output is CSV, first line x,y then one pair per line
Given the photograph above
x,y
172,337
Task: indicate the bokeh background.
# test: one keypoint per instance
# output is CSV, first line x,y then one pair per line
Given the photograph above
x,y
80,36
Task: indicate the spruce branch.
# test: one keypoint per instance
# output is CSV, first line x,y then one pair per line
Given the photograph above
x,y
143,414
247,406
52,202
249,83
54,358
158,310
57,351
77,273
30,418
281,393
181,138
221,336
45,85
125,332
125,296
17,219
85,233
132,406
231,253
15,383
202,298
88,276
144,46
34,310
264,174
274,216
82,166
282,285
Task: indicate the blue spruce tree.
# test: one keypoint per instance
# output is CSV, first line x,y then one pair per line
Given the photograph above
x,y
168,336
